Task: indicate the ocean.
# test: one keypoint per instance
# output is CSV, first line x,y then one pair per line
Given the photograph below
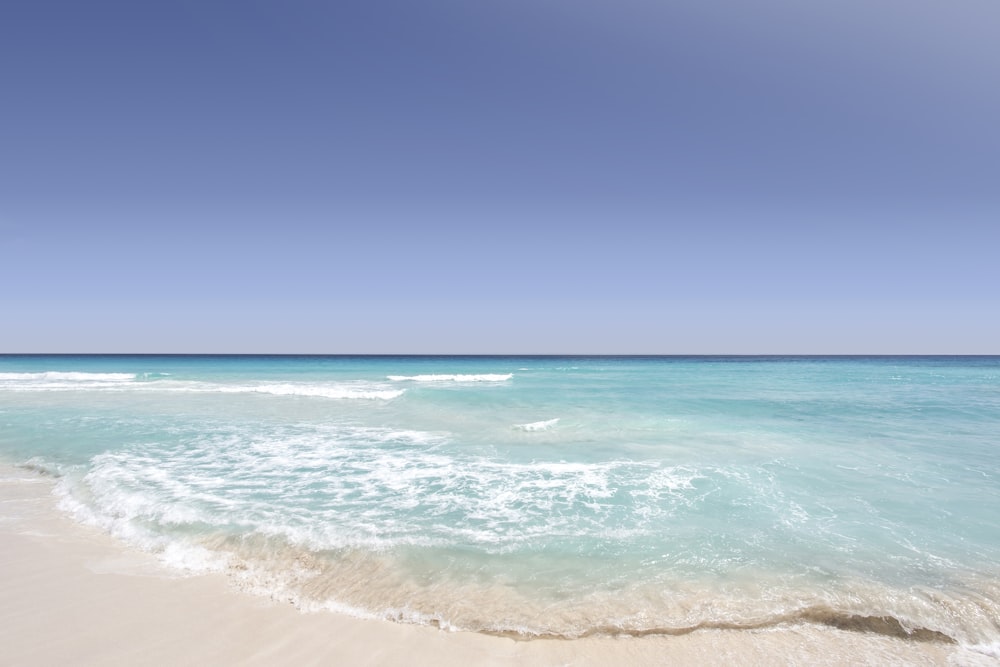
x,y
544,496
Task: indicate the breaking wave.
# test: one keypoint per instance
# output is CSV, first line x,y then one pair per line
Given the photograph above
x,y
62,376
538,426
484,377
162,382
337,391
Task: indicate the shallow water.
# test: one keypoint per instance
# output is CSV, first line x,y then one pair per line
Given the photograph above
x,y
545,495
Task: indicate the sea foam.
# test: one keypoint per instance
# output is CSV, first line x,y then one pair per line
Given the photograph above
x,y
64,376
336,391
538,426
483,377
162,382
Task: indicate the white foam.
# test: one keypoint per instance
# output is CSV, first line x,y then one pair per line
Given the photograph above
x,y
71,376
538,426
192,558
992,649
321,391
484,377
65,381
158,382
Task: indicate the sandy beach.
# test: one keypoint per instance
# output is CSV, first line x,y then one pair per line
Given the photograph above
x,y
73,595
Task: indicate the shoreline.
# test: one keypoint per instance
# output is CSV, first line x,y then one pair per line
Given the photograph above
x,y
73,594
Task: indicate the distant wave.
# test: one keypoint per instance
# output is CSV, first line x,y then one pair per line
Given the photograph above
x,y
157,382
538,426
485,377
321,391
70,376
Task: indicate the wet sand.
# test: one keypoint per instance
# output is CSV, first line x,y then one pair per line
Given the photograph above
x,y
70,594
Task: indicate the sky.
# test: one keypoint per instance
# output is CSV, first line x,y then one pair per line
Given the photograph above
x,y
480,176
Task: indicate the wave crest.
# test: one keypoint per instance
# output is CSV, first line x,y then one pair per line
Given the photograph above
x,y
482,377
161,382
538,426
320,391
66,376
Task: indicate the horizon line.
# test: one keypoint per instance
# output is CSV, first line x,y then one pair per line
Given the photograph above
x,y
500,354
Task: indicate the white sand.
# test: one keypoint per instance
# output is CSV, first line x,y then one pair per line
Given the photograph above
x,y
72,595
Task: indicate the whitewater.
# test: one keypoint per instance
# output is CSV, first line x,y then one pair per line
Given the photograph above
x,y
553,497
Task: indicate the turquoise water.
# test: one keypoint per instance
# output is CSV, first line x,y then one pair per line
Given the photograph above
x,y
554,496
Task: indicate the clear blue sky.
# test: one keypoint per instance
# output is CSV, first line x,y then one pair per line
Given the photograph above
x,y
626,176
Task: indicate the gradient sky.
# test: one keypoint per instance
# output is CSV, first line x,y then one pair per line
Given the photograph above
x,y
437,176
